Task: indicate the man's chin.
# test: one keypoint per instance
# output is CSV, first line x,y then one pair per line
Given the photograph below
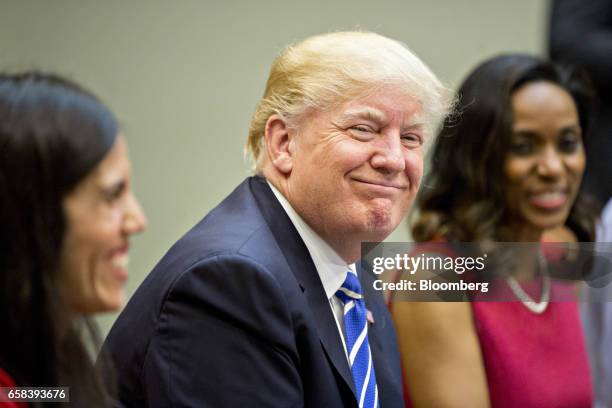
x,y
381,224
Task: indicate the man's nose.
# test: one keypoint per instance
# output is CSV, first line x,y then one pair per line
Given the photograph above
x,y
389,155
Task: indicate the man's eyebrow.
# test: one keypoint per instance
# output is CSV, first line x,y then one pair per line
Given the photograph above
x,y
415,122
379,117
373,115
413,126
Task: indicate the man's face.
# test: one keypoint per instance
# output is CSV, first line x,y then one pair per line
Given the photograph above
x,y
357,167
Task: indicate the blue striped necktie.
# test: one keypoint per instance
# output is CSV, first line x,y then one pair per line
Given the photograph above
x,y
356,328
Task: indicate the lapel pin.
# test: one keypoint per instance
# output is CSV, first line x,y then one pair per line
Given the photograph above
x,y
369,317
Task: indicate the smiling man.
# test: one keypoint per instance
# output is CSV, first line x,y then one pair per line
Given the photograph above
x,y
261,303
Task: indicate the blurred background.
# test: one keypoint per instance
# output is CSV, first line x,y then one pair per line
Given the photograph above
x,y
184,77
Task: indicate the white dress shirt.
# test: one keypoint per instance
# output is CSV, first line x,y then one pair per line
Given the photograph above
x,y
331,267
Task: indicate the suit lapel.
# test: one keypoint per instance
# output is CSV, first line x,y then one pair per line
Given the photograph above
x,y
303,268
326,323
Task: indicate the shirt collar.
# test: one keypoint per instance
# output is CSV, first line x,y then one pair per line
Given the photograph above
x,y
331,267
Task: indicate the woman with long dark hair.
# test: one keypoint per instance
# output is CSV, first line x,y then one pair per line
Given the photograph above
x,y
66,214
507,168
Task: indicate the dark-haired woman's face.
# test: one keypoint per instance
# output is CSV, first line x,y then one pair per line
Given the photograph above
x,y
546,160
101,214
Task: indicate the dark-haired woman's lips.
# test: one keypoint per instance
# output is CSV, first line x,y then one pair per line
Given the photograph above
x,y
119,260
549,200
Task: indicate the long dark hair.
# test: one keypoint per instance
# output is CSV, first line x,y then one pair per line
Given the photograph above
x,y
462,198
52,134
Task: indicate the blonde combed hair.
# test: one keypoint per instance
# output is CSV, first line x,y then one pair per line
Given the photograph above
x,y
327,70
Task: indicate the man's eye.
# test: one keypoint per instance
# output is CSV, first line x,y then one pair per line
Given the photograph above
x,y
363,128
412,139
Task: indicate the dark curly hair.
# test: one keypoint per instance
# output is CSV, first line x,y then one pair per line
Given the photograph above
x,y
462,198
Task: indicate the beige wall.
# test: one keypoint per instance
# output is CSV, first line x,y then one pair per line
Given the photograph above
x,y
184,76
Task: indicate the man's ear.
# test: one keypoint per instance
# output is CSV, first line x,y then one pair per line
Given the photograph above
x,y
279,144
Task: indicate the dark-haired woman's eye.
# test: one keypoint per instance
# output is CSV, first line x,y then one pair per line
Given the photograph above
x,y
569,143
113,193
522,147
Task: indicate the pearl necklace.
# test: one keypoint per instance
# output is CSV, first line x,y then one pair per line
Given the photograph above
x,y
526,300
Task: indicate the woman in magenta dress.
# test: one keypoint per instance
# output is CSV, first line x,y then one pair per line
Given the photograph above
x,y
506,169
66,214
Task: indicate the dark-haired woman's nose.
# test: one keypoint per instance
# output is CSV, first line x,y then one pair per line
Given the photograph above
x,y
550,163
135,218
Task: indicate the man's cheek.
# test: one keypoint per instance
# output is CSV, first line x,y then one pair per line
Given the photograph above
x,y
414,171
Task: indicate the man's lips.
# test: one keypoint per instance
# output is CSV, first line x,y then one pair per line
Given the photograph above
x,y
382,184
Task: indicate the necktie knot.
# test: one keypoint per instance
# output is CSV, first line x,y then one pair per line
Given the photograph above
x,y
350,289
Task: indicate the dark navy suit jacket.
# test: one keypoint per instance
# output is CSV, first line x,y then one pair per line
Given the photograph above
x,y
235,315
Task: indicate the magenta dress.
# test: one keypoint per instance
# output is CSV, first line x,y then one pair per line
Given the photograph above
x,y
534,360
